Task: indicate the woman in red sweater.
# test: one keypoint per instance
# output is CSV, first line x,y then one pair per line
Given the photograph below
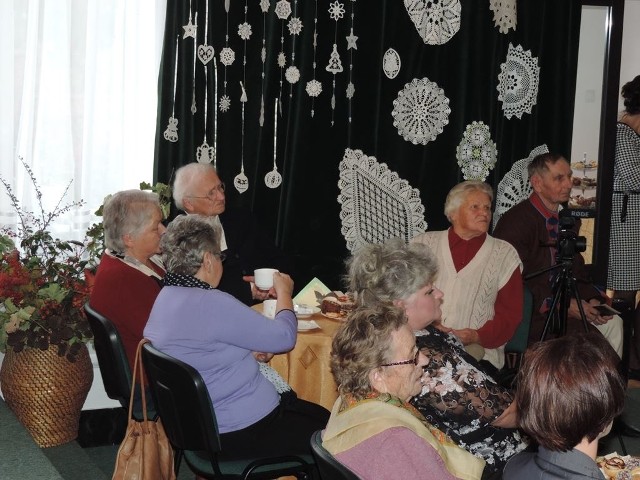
x,y
130,273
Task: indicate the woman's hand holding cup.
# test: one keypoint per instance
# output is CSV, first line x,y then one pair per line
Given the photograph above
x,y
283,285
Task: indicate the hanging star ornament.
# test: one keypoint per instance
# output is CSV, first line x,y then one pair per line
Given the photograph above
x,y
351,41
189,30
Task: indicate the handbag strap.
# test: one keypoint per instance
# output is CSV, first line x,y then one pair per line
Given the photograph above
x,y
137,365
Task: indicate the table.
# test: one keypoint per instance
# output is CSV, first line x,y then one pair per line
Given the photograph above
x,y
306,367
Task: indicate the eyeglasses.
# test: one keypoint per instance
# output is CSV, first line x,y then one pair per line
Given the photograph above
x,y
209,196
414,361
222,256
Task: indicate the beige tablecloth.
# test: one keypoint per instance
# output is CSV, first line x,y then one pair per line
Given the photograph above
x,y
306,367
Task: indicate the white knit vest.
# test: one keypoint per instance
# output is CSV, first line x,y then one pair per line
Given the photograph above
x,y
470,294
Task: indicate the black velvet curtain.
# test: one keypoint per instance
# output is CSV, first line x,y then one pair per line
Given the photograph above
x,y
303,213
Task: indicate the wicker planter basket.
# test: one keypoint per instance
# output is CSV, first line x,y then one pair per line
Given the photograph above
x,y
46,392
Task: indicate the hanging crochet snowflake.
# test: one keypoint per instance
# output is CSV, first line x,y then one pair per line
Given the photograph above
x,y
336,10
292,74
313,88
264,5
244,30
351,90
227,56
421,111
283,9
282,59
225,103
436,21
505,14
294,26
376,203
518,82
476,153
515,186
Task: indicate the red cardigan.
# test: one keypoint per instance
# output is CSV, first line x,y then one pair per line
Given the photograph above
x,y
125,296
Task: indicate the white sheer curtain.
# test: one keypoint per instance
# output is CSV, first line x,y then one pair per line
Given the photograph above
x,y
78,98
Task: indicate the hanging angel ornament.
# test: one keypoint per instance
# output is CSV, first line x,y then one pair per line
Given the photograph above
x,y
273,179
240,181
171,132
194,108
206,153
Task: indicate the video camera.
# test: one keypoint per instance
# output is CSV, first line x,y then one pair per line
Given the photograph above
x,y
569,242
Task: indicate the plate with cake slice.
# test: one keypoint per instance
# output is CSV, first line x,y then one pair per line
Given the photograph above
x,y
337,305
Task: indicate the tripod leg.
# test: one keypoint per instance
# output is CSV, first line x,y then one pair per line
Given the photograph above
x,y
553,313
576,295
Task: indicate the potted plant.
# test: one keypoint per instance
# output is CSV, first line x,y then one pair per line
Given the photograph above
x,y
44,283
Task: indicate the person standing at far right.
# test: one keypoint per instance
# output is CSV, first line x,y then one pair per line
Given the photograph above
x,y
624,244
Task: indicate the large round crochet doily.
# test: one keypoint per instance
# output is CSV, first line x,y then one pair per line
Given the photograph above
x,y
421,111
518,82
376,203
436,21
515,186
476,153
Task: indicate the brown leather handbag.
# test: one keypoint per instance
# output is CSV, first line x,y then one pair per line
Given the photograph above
x,y
145,453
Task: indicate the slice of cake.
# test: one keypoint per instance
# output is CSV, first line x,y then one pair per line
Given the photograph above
x,y
336,305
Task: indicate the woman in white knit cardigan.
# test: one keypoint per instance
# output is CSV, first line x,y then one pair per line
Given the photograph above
x,y
479,275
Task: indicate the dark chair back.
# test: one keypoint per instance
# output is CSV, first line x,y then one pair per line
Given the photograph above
x,y
329,467
182,400
516,346
112,359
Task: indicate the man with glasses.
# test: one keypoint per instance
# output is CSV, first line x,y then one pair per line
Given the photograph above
x,y
532,228
198,189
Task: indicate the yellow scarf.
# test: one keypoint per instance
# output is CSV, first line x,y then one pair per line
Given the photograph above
x,y
353,422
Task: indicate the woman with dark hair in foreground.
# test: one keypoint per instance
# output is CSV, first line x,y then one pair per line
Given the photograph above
x,y
569,392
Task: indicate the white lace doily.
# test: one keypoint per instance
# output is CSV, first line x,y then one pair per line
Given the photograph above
x,y
476,153
515,186
376,203
505,15
436,22
518,82
391,63
421,111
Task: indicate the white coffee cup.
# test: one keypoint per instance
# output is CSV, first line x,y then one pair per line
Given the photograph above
x,y
269,308
263,278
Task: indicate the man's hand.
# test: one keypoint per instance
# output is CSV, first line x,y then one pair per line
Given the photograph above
x,y
256,293
591,314
467,335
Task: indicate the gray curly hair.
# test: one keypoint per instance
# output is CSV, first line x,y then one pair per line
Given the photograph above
x,y
391,271
187,239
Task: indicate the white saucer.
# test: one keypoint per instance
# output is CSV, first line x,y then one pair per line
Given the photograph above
x,y
309,311
306,325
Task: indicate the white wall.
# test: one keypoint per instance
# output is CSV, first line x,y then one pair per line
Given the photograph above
x,y
588,101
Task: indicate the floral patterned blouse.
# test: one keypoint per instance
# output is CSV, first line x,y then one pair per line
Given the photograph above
x,y
462,401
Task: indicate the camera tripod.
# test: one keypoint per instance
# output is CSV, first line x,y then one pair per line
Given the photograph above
x,y
564,288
